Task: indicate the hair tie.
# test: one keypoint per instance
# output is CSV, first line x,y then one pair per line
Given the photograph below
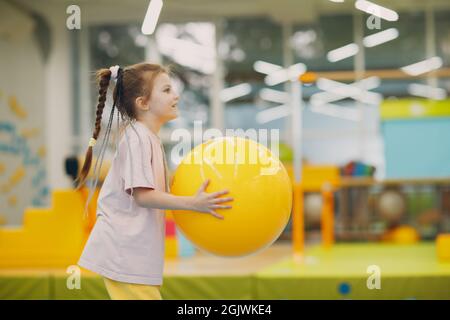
x,y
119,85
114,72
92,142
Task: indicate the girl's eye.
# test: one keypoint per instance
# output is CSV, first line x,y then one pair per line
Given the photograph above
x,y
167,90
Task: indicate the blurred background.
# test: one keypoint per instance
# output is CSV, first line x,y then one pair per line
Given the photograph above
x,y
49,96
375,113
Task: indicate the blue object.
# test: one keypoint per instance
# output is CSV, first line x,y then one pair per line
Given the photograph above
x,y
417,148
360,169
185,249
344,288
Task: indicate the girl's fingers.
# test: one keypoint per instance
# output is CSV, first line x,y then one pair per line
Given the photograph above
x,y
203,186
218,206
221,200
218,193
215,214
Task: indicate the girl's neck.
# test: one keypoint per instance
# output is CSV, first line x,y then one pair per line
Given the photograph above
x,y
152,125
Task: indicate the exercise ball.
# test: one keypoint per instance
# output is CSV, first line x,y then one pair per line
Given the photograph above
x,y
257,182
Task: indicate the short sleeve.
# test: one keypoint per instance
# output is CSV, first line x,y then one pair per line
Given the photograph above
x,y
135,162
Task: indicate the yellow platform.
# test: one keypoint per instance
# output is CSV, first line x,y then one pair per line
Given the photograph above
x,y
49,237
54,237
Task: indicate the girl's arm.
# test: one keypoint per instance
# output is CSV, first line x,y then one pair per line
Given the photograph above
x,y
201,202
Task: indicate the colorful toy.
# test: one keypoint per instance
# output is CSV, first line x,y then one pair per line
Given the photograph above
x,y
258,183
358,169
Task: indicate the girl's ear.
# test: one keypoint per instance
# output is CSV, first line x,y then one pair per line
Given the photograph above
x,y
142,103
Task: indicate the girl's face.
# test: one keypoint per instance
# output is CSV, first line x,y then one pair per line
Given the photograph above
x,y
164,99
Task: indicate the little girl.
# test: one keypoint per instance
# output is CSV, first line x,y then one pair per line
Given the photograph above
x,y
126,245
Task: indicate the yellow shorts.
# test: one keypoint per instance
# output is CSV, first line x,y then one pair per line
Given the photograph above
x,y
131,291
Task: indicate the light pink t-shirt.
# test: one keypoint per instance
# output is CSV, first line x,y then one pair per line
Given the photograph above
x,y
127,241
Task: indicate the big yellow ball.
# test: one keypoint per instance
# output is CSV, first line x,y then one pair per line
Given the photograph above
x,y
258,183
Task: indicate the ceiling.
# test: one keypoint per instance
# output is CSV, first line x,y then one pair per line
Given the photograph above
x,y
298,11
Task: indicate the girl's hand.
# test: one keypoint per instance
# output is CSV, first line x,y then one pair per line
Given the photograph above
x,y
208,202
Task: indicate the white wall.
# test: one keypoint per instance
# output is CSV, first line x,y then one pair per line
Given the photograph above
x,y
43,92
58,100
22,78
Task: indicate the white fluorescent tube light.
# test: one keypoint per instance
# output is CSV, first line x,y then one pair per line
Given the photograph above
x,y
336,87
295,71
274,95
187,53
265,67
380,37
342,52
235,92
283,75
425,91
276,77
336,91
364,84
151,17
376,10
368,83
337,112
367,97
273,114
424,66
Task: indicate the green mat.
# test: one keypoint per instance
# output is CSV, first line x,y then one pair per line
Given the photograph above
x,y
22,287
406,272
52,285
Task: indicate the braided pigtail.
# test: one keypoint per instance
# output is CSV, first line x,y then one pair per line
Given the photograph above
x,y
103,77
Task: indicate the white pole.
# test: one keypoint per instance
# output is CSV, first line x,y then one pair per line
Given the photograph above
x,y
297,105
217,112
294,126
359,67
152,54
430,40
288,60
86,107
57,102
